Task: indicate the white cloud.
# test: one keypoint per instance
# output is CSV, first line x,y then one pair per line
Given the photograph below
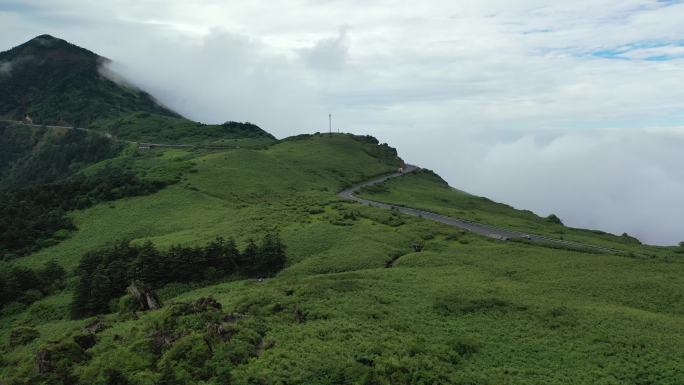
x,y
433,75
328,54
615,180
5,68
223,76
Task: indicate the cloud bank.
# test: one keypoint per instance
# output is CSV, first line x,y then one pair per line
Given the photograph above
x,y
569,107
613,180
5,68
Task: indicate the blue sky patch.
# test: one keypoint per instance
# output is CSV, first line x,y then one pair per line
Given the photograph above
x,y
628,51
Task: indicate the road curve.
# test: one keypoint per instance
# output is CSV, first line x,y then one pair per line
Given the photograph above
x,y
474,227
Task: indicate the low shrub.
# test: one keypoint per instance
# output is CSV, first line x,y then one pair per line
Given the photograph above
x,y
22,335
456,305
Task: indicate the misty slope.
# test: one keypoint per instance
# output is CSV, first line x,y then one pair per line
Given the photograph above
x,y
55,82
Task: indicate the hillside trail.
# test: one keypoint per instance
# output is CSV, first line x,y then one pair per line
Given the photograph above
x,y
141,145
474,227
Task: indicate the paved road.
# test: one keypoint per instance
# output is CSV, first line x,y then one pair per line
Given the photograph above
x,y
477,228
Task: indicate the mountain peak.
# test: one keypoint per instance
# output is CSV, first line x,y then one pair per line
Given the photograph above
x,y
44,39
56,82
49,47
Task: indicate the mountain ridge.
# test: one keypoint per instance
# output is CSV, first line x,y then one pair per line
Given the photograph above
x,y
48,81
51,81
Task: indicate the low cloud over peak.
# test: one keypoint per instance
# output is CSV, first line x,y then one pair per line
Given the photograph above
x,y
5,68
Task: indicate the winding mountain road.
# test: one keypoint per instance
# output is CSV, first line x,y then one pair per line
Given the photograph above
x,y
474,227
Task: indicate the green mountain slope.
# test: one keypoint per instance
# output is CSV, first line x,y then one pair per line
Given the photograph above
x,y
55,82
48,81
155,128
37,155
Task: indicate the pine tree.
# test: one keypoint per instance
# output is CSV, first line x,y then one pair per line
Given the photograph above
x,y
271,255
100,292
195,263
213,252
51,274
176,270
79,302
229,258
147,265
248,258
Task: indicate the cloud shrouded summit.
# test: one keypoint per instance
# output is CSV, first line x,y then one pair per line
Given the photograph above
x,y
501,98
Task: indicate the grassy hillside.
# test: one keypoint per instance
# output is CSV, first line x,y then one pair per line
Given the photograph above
x,y
15,144
42,171
32,155
239,192
355,303
155,128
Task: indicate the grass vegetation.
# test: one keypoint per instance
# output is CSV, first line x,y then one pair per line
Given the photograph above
x,y
40,155
14,145
35,217
462,310
156,128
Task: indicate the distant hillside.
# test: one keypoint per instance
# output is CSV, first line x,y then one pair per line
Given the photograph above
x,y
146,127
48,81
34,155
55,82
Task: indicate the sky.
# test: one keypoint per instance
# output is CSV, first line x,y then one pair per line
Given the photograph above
x,y
567,107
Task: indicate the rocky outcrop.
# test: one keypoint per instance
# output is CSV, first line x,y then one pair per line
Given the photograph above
x,y
58,358
146,297
96,326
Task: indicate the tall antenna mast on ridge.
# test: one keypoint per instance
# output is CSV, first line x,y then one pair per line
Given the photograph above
x,y
330,124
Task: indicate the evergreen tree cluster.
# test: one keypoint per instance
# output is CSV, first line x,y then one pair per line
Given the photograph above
x,y
30,217
104,275
54,155
24,285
